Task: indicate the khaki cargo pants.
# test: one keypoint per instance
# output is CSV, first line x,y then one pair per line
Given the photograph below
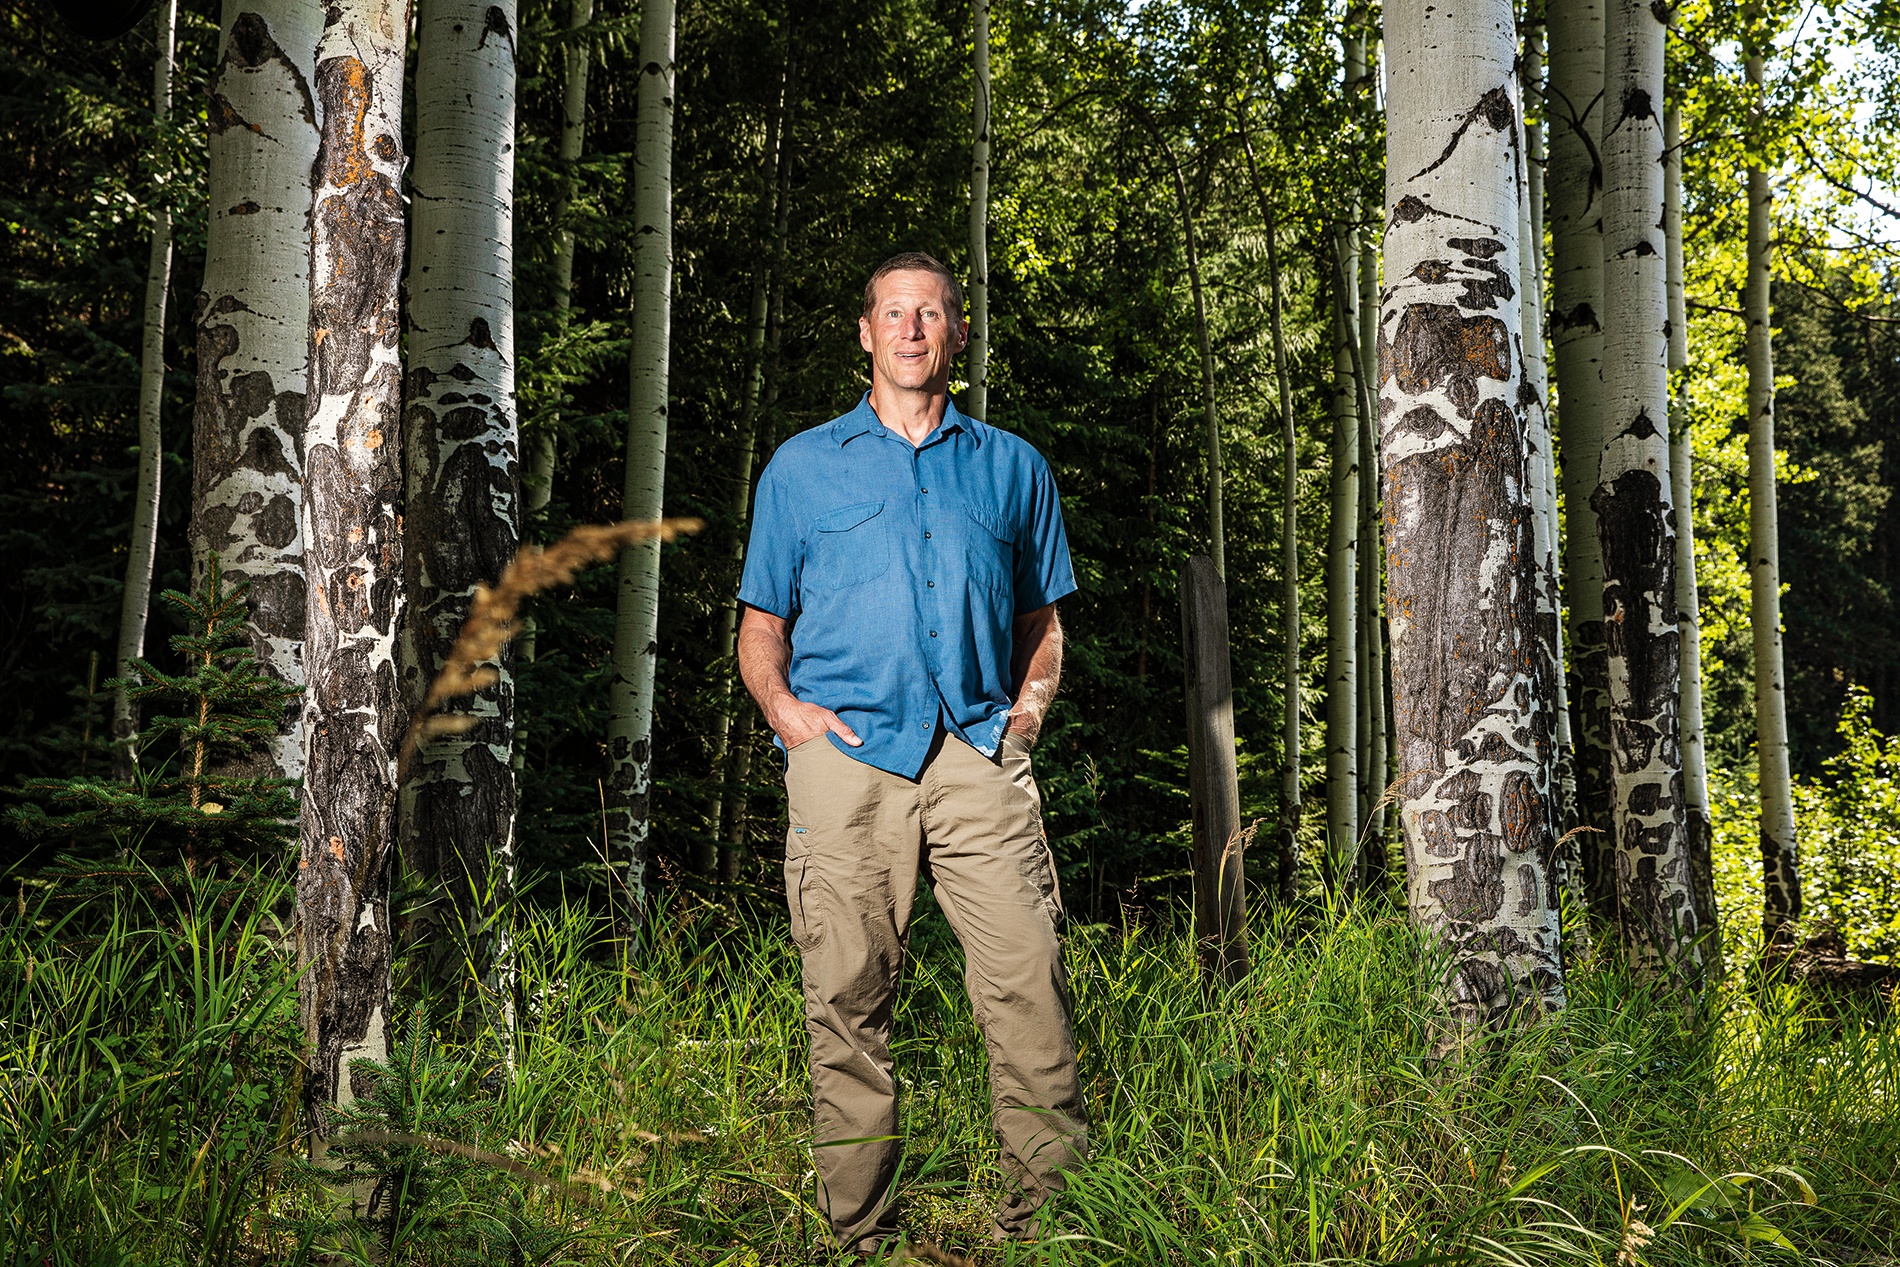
x,y
860,837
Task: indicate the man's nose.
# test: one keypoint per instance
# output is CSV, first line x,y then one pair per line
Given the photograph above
x,y
914,327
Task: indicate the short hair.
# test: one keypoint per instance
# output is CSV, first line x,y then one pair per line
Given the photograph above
x,y
916,262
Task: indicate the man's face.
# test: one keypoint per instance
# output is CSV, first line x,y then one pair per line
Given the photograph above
x,y
911,333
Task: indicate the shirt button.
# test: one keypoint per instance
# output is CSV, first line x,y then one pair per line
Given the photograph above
x,y
926,536
930,585
926,490
933,633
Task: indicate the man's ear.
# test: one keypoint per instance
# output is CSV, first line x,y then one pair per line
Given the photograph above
x,y
864,334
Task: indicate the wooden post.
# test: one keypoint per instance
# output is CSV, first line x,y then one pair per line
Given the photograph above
x,y
1220,898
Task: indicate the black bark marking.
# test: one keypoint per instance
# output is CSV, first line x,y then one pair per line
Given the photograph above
x,y
495,22
253,47
1424,422
1436,345
1581,317
1433,272
1497,112
1637,106
1411,209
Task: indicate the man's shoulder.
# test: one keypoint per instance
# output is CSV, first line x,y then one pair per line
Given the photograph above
x,y
1011,451
802,450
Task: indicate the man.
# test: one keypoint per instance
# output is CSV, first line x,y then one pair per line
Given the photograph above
x,y
900,636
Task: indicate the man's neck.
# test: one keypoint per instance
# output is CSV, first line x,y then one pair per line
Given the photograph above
x,y
911,414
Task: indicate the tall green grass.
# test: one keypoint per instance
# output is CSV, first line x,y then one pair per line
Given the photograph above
x,y
656,1112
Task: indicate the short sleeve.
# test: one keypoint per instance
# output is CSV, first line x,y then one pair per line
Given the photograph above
x,y
775,552
1043,571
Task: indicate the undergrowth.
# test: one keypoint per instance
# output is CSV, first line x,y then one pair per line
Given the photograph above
x,y
656,1113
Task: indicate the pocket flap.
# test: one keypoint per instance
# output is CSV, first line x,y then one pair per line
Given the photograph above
x,y
992,525
848,517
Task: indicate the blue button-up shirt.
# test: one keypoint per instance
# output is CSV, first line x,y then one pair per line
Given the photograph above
x,y
903,569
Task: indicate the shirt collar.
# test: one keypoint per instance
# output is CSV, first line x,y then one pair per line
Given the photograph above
x,y
864,419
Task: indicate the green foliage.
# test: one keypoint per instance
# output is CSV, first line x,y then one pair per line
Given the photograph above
x,y
1849,823
660,1108
202,805
149,1059
432,1197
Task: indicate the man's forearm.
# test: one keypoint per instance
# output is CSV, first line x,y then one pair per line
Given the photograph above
x,y
764,657
1038,670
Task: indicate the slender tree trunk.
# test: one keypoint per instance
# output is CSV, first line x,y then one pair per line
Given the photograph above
x,y
1472,689
1544,533
252,321
1780,863
353,546
1346,722
461,454
135,601
1695,771
1574,100
1635,520
1536,366
1342,569
1375,771
1289,826
977,354
636,623
537,477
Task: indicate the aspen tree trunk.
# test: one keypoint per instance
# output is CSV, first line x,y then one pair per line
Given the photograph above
x,y
636,623
537,478
1695,771
1289,827
718,851
1780,864
977,354
1344,704
252,321
1472,691
1342,568
1635,519
1536,339
353,546
461,454
1536,413
135,601
1574,96
1375,770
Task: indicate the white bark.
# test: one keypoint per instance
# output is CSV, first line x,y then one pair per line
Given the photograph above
x,y
1695,773
135,600
1345,707
1342,572
1780,859
1472,691
461,449
636,622
353,544
1635,517
977,353
253,333
1574,108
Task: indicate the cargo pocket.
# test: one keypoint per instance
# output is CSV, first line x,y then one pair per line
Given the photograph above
x,y
807,928
1042,874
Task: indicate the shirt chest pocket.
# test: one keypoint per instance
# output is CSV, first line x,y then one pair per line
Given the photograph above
x,y
992,552
851,545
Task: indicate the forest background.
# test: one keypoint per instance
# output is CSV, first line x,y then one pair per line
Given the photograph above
x,y
1094,359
